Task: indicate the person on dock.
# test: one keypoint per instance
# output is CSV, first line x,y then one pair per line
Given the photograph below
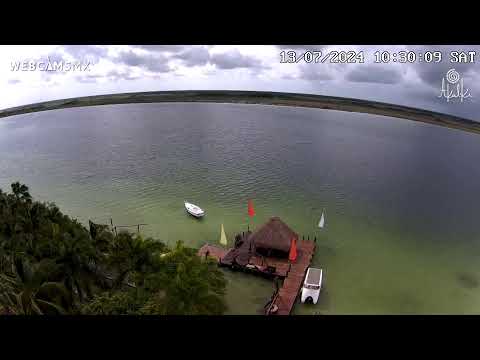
x,y
273,309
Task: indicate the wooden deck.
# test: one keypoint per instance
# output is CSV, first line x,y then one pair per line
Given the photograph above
x,y
286,297
242,257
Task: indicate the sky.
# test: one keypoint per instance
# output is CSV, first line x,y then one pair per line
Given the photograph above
x,y
130,68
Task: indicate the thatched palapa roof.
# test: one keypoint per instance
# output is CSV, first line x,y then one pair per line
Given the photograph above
x,y
274,234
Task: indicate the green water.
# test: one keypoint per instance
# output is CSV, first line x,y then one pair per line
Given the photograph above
x,y
401,198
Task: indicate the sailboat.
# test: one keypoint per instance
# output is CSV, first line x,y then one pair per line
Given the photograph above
x,y
223,237
321,223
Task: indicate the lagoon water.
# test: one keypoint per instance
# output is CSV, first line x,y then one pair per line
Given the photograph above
x,y
402,199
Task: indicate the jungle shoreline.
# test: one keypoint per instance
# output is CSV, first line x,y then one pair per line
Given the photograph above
x,y
256,97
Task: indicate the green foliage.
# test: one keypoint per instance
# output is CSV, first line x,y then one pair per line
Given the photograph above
x,y
51,264
30,290
113,303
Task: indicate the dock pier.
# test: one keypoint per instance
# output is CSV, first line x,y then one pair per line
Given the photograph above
x,y
243,257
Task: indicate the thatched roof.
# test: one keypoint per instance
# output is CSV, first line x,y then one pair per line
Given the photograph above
x,y
274,234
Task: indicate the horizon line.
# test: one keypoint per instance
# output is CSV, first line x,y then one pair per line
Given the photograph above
x,y
255,97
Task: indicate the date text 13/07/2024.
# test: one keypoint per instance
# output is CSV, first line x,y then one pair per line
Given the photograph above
x,y
378,57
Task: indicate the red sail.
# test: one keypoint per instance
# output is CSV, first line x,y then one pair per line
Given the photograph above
x,y
251,211
293,250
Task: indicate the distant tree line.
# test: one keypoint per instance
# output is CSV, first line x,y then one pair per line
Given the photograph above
x,y
52,264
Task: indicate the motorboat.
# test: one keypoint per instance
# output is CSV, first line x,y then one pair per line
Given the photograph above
x,y
194,210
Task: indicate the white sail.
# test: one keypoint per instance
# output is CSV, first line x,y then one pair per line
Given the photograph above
x,y
321,223
223,237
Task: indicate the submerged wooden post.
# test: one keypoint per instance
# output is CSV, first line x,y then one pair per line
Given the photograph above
x,y
308,238
115,228
138,229
111,222
315,239
303,237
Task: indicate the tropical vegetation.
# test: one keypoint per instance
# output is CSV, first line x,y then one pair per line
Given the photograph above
x,y
52,264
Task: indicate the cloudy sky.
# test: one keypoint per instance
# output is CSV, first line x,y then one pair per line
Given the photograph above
x,y
115,69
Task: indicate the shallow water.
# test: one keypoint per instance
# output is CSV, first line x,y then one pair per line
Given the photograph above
x,y
401,198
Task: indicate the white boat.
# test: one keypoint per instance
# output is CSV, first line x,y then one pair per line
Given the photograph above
x,y
194,210
312,285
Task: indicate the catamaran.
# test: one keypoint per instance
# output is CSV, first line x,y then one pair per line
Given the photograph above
x,y
194,210
312,285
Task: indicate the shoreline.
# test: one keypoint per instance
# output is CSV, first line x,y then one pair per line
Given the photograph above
x,y
258,98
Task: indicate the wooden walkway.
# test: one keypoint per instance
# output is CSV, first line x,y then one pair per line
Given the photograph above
x,y
285,298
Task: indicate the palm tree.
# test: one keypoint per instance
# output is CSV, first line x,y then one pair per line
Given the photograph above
x,y
130,254
101,236
20,191
186,285
29,290
75,255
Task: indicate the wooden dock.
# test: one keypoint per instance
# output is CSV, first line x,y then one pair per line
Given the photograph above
x,y
284,300
242,257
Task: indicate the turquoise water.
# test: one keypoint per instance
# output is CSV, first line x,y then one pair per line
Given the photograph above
x,y
401,198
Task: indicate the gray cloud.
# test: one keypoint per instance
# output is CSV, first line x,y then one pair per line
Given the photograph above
x,y
84,53
118,75
289,77
157,63
85,80
162,48
55,57
113,75
194,56
88,78
315,73
303,47
234,59
374,74
432,74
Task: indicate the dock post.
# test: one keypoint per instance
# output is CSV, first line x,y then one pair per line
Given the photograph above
x,y
303,237
308,237
111,222
315,239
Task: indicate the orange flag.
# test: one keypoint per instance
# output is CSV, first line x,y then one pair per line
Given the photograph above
x,y
251,211
293,250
